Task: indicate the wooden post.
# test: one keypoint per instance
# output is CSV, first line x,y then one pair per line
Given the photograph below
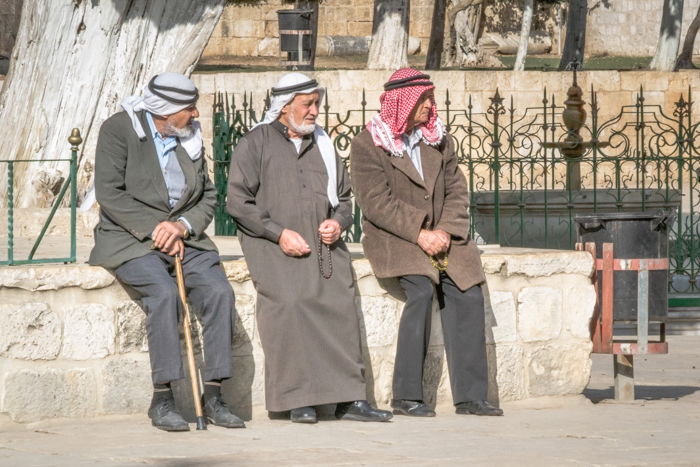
x,y
624,378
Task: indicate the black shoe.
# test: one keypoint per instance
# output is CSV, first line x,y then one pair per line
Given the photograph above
x,y
411,408
165,416
218,413
361,411
478,408
303,415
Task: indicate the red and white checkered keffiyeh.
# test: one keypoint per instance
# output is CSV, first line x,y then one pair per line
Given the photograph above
x,y
390,124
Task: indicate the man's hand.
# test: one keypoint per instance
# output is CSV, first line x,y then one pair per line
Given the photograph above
x,y
293,244
178,248
446,239
330,231
432,242
167,237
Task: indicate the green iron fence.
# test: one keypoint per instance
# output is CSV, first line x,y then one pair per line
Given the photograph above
x,y
520,195
69,184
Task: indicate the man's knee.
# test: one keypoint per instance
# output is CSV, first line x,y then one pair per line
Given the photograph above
x,y
163,291
221,292
419,290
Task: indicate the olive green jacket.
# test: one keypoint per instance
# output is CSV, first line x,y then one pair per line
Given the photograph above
x,y
133,197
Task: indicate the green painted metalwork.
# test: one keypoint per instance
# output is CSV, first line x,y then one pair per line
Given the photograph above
x,y
519,190
69,183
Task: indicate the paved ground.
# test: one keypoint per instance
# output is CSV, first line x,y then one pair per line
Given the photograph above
x,y
662,427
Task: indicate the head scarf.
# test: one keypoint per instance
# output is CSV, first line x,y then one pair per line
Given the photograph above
x,y
282,94
166,94
401,95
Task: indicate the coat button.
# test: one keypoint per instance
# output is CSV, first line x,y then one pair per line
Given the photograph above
x,y
426,197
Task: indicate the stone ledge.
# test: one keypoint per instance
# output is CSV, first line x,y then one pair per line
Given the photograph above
x,y
73,331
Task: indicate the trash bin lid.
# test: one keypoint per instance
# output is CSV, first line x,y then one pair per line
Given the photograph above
x,y
614,216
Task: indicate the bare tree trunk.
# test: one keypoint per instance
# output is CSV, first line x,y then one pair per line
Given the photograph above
x,y
464,18
685,59
575,41
437,36
72,64
524,36
669,36
389,47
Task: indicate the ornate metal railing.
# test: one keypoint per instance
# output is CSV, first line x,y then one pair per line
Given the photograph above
x,y
69,184
519,190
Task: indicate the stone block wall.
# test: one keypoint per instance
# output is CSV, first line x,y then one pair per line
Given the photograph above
x,y
9,22
620,27
631,27
73,342
252,29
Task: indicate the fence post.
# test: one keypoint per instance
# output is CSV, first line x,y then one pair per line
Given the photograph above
x,y
10,211
75,141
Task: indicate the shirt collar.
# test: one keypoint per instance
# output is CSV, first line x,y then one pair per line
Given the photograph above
x,y
154,131
414,137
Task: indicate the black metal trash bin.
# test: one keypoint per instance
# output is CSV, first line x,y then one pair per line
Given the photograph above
x,y
634,235
295,28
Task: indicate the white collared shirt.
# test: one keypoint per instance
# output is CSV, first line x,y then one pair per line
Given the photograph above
x,y
412,148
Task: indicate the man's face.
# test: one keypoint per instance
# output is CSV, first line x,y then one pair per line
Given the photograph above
x,y
421,112
300,114
183,118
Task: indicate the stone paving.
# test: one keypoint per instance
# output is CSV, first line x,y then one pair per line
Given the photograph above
x,y
660,428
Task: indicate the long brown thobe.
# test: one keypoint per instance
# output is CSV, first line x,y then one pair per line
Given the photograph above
x,y
308,325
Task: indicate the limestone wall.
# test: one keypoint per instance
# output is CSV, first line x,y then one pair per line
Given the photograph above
x,y
73,343
630,27
251,29
619,27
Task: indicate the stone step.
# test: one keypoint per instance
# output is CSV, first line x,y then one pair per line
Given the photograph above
x,y
683,321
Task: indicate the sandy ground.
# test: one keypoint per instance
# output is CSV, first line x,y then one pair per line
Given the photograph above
x,y
660,428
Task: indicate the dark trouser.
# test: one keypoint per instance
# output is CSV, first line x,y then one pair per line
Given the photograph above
x,y
462,315
208,290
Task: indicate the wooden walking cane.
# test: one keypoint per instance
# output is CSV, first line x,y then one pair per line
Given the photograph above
x,y
201,422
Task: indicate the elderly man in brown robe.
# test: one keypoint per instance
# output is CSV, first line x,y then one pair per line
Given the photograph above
x,y
415,218
290,194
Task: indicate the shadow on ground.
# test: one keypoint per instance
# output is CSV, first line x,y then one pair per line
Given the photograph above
x,y
641,392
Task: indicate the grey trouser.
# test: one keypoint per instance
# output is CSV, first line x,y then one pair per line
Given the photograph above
x,y
208,290
462,315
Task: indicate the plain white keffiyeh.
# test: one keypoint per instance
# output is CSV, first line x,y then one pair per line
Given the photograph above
x,y
305,85
177,92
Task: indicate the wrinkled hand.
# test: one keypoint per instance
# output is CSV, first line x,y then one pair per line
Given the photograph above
x,y
167,237
446,239
293,244
432,242
330,231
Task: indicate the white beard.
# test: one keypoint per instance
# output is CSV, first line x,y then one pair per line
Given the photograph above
x,y
185,132
301,128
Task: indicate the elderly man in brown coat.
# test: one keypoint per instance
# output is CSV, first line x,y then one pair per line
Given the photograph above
x,y
414,203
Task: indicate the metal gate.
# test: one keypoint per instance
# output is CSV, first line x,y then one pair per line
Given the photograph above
x,y
519,194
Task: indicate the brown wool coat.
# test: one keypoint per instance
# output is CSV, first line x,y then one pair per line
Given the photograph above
x,y
396,203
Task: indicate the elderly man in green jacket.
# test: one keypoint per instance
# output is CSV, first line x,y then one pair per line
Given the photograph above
x,y
156,200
